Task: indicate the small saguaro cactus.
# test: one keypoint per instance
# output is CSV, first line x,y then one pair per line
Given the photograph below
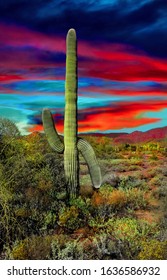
x,y
72,144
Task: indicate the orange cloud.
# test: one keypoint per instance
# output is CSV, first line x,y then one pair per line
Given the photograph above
x,y
117,116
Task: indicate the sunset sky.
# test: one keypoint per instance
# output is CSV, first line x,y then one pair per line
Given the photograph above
x,y
122,63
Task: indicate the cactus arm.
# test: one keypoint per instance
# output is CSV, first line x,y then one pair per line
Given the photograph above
x,y
89,155
50,131
71,161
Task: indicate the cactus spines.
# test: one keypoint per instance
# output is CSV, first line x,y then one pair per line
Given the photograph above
x,y
72,145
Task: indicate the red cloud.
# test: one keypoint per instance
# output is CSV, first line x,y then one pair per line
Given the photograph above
x,y
124,70
107,61
7,77
147,91
118,116
39,127
15,36
121,62
16,54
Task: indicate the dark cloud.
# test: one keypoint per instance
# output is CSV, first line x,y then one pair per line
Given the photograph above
x,y
131,22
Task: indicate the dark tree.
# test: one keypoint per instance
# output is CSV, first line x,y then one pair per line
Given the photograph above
x,y
8,128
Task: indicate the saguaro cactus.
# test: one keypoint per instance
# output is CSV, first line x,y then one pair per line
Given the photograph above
x,y
72,144
71,165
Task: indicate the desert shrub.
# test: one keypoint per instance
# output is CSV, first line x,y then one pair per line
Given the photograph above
x,y
154,157
33,248
136,198
130,233
100,247
151,172
86,190
61,247
152,146
97,247
9,226
8,128
83,205
68,218
163,231
127,235
133,167
108,200
19,252
103,146
153,250
161,192
161,170
76,215
71,250
116,199
33,206
56,166
119,168
157,180
135,161
129,182
34,184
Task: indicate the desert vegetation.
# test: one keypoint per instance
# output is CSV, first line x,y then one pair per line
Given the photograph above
x,y
126,218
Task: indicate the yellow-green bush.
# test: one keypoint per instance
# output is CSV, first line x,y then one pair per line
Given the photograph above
x,y
33,248
153,250
131,233
68,217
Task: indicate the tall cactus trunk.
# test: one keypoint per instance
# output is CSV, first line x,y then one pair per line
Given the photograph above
x,y
71,160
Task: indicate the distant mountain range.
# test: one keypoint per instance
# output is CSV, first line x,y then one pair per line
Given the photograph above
x,y
136,136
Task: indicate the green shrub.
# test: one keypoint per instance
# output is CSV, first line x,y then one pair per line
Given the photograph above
x,y
153,250
71,250
33,248
131,232
69,219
